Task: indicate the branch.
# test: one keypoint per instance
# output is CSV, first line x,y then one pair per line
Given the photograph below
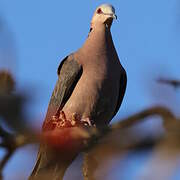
x,y
11,142
164,113
171,82
4,161
88,136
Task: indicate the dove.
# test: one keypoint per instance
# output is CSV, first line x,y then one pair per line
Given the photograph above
x,y
90,87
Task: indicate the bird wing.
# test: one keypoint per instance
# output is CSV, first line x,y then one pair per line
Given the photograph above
x,y
122,89
69,72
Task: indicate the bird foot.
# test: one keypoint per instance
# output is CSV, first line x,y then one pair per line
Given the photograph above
x,y
86,121
60,121
76,120
57,121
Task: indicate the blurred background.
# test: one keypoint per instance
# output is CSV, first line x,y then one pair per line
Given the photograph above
x,y
36,35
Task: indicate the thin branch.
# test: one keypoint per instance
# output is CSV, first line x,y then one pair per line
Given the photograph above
x,y
171,82
5,160
11,142
163,112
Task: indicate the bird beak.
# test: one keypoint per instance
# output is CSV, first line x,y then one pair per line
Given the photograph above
x,y
114,16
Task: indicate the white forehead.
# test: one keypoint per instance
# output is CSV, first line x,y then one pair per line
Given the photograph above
x,y
107,8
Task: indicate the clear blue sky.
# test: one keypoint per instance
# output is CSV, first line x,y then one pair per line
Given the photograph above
x,y
36,35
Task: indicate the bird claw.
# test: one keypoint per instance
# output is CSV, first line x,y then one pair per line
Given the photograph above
x,y
74,119
62,115
60,121
86,121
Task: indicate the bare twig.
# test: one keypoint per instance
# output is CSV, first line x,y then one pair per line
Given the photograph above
x,y
171,82
163,112
5,160
11,142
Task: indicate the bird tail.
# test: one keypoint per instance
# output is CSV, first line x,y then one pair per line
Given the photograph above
x,y
50,165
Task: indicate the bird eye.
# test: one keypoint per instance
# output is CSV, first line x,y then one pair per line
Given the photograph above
x,y
99,11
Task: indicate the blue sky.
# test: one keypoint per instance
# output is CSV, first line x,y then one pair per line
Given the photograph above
x,y
36,35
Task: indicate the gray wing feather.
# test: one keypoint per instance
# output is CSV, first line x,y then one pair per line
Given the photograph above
x,y
69,72
122,89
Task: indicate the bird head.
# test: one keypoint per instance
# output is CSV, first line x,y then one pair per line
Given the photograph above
x,y
104,14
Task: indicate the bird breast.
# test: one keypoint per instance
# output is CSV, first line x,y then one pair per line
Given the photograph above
x,y
96,93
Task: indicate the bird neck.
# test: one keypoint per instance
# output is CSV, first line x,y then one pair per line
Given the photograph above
x,y
99,39
100,25
98,44
98,36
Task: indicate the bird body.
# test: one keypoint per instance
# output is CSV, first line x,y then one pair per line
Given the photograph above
x,y
90,87
96,94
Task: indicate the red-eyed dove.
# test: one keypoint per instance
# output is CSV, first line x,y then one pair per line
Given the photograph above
x,y
91,83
